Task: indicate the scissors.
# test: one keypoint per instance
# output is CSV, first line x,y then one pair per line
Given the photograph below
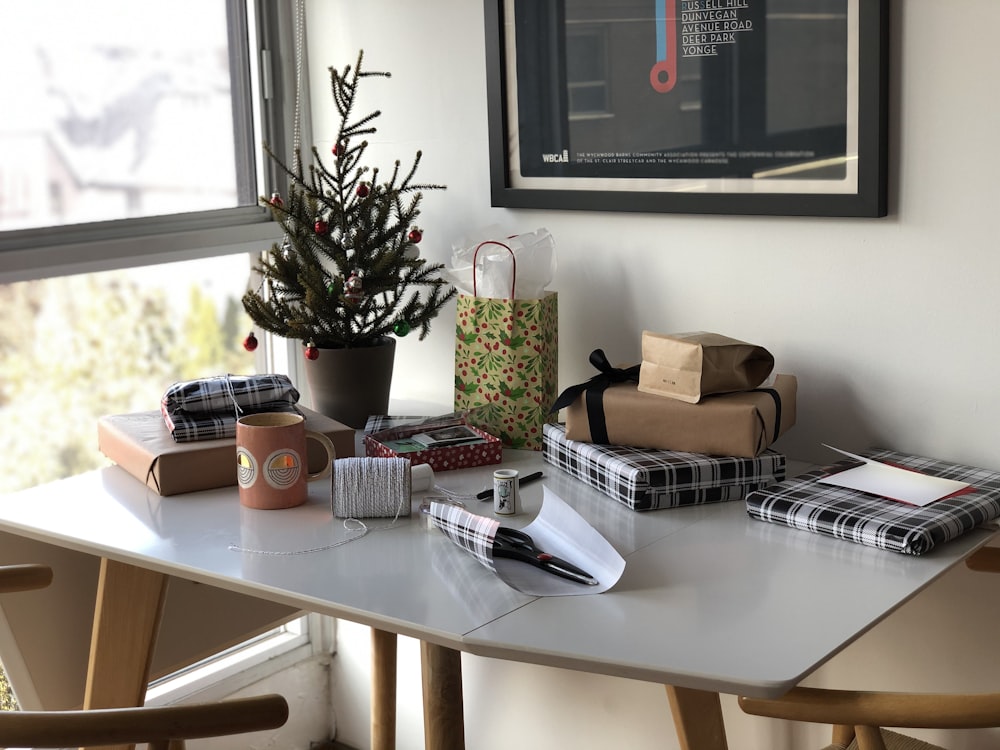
x,y
516,545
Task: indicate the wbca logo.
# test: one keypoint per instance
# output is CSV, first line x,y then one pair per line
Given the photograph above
x,y
562,158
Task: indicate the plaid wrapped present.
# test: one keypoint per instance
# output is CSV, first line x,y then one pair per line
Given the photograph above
x,y
207,409
875,521
648,479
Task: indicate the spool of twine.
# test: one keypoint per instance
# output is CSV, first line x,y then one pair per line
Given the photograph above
x,y
371,487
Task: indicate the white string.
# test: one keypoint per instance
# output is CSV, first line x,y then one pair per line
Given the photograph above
x,y
453,494
362,528
232,395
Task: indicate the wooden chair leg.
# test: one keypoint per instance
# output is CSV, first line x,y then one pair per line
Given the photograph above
x,y
697,718
843,734
869,738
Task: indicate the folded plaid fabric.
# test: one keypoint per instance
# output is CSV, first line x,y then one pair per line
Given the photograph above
x,y
875,521
471,532
647,478
208,409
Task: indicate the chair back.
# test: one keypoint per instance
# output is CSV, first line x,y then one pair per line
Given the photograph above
x,y
160,728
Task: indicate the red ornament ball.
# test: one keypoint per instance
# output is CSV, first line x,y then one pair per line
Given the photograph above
x,y
321,226
250,342
415,235
363,190
312,352
276,200
338,149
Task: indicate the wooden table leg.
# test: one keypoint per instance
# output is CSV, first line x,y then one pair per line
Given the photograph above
x,y
444,721
383,690
126,622
697,718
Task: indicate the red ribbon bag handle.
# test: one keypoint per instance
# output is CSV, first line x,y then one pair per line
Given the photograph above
x,y
513,259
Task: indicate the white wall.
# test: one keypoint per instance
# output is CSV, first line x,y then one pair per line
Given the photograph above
x,y
889,324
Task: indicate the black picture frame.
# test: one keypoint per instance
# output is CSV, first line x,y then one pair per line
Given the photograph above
x,y
785,114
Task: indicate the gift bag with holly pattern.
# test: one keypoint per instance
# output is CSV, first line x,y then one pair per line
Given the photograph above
x,y
506,362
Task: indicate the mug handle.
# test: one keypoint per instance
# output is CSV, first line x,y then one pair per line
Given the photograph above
x,y
331,454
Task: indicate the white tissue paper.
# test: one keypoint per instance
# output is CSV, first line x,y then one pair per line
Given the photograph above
x,y
522,272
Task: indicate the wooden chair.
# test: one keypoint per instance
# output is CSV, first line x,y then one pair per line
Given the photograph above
x,y
858,718
161,728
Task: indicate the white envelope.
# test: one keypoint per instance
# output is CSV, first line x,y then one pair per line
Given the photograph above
x,y
893,482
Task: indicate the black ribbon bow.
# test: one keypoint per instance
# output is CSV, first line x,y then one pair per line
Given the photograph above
x,y
594,392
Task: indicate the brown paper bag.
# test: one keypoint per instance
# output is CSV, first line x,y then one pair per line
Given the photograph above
x,y
687,366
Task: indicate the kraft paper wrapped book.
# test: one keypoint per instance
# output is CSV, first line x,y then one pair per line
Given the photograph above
x,y
740,424
141,444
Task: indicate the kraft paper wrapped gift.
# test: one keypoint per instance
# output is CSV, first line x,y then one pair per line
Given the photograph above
x,y
142,445
740,424
648,479
690,366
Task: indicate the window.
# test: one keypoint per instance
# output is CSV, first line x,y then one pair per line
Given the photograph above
x,y
125,143
110,123
136,138
75,348
130,172
128,142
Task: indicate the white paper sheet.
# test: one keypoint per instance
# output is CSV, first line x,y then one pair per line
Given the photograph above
x,y
561,531
904,485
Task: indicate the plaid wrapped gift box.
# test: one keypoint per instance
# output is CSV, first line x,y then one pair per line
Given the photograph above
x,y
803,503
648,479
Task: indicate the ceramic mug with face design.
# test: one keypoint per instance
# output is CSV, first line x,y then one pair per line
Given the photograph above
x,y
271,460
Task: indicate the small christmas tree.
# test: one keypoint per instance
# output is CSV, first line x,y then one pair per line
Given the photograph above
x,y
345,272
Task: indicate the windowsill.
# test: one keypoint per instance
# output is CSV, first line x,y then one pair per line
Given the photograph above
x,y
224,674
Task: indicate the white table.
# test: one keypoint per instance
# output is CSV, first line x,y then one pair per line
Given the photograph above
x,y
710,601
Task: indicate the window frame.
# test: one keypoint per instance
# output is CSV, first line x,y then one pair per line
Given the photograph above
x,y
262,34
311,636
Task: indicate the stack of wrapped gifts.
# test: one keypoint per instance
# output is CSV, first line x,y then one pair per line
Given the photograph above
x,y
691,424
190,443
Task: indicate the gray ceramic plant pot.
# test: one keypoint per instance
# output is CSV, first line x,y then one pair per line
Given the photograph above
x,y
351,384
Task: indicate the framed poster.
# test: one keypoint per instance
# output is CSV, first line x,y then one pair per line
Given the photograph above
x,y
689,106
